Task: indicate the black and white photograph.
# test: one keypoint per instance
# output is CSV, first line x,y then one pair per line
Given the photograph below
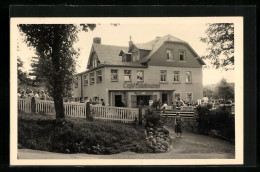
x,y
126,91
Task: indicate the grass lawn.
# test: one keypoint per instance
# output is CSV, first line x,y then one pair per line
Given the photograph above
x,y
77,135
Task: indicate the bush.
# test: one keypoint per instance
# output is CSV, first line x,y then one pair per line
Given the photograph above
x,y
73,135
152,119
220,120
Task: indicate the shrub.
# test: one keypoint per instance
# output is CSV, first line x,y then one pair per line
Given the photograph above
x,y
220,120
203,118
43,132
152,119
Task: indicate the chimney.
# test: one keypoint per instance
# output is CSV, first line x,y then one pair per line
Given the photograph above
x,y
97,40
130,42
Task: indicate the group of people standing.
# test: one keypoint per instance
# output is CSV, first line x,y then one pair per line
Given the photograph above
x,y
41,95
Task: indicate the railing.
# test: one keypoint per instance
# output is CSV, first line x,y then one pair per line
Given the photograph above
x,y
75,109
43,106
24,105
126,115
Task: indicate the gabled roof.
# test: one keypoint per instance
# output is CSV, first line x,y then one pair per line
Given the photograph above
x,y
154,45
109,55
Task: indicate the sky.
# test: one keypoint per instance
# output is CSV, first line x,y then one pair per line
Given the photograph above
x,y
140,33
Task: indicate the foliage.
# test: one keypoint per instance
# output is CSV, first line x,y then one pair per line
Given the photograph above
x,y
22,76
210,93
56,56
43,132
152,119
220,120
220,41
224,90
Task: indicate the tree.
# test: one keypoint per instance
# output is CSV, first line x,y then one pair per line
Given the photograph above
x,y
224,90
220,41
56,56
22,76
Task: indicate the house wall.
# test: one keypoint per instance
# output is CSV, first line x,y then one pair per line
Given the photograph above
x,y
159,57
76,91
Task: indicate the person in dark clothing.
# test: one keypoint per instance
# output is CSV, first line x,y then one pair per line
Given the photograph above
x,y
178,125
33,105
103,103
123,103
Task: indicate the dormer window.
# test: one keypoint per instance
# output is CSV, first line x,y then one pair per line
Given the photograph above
x,y
182,55
94,63
126,58
136,56
169,55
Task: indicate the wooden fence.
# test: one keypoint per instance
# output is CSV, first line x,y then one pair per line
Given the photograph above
x,y
126,115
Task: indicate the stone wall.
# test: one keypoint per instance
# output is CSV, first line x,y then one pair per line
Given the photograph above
x,y
189,124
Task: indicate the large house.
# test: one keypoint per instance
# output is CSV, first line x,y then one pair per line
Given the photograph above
x,y
165,68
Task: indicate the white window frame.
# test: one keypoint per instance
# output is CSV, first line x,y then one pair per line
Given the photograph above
x,y
175,96
99,75
86,79
186,77
176,74
92,82
127,75
114,80
184,55
137,76
164,77
191,96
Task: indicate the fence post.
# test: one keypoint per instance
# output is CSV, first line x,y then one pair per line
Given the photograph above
x,y
140,116
33,105
88,112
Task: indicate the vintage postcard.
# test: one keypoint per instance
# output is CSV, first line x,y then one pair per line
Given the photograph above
x,y
126,91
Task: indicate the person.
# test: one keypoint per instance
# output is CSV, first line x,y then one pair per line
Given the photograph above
x,y
33,104
178,125
102,102
164,106
36,95
123,103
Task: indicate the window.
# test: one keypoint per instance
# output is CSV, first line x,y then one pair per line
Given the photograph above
x,y
128,57
94,63
127,75
140,75
76,82
99,76
114,76
188,77
169,55
163,75
182,55
136,56
176,77
92,78
85,79
177,96
189,97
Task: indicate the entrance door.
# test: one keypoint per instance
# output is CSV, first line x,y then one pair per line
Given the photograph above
x,y
143,100
164,98
118,100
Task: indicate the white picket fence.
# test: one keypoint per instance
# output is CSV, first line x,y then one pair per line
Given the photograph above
x,y
108,113
126,115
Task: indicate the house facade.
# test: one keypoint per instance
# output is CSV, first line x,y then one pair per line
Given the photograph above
x,y
165,69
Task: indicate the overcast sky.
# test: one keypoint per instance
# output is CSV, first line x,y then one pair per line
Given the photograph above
x,y
140,33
